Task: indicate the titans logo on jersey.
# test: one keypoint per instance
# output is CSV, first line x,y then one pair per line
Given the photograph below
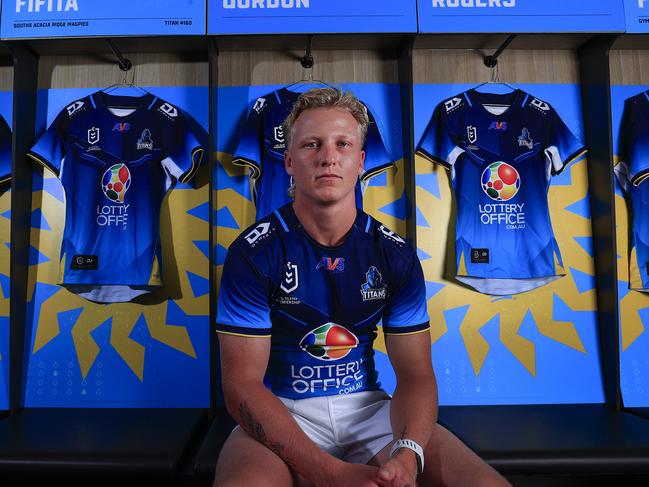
x,y
5,152
262,146
631,172
116,157
502,150
320,305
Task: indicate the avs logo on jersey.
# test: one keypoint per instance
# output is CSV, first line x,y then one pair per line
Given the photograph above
x,y
525,139
145,141
540,105
452,104
278,134
93,135
121,127
74,108
472,134
331,264
168,110
290,282
259,232
330,341
373,287
498,126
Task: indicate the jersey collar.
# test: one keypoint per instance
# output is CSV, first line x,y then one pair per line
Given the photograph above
x,y
514,99
104,100
289,221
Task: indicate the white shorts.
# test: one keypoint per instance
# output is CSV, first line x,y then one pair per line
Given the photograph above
x,y
352,427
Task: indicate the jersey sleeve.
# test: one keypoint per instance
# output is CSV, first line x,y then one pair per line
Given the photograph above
x,y
248,151
562,147
406,310
5,152
437,144
243,304
185,150
634,142
49,150
377,157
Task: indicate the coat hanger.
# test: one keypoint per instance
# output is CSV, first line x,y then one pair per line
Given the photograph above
x,y
307,63
495,80
491,61
125,66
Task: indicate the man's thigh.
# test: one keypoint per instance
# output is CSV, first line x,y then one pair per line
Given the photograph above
x,y
449,462
244,462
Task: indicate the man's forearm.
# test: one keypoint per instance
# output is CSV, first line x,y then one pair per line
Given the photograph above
x,y
265,418
414,409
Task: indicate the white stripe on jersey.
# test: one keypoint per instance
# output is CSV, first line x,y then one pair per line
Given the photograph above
x,y
554,160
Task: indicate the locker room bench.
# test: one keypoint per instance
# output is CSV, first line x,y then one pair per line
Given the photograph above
x,y
573,439
100,443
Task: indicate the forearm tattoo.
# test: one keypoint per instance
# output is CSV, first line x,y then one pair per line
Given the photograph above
x,y
404,432
256,430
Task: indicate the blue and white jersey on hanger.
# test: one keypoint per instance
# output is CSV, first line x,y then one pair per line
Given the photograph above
x,y
116,157
501,151
261,148
632,171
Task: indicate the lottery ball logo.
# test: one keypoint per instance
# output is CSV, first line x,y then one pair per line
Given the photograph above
x,y
500,181
329,342
115,182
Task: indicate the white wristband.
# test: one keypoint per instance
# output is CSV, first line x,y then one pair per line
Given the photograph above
x,y
411,445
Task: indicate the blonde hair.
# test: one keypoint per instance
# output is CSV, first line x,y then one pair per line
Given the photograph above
x,y
326,98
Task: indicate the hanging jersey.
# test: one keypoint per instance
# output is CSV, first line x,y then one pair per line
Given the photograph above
x,y
5,152
320,305
502,150
631,172
116,158
262,146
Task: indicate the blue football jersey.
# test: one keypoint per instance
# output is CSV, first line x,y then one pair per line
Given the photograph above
x,y
501,151
631,172
5,152
116,157
261,148
320,305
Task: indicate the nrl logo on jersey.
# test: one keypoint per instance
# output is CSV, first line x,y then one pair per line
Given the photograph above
x,y
373,287
525,140
93,136
290,282
278,133
452,104
145,141
472,134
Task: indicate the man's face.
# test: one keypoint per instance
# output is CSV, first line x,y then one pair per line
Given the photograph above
x,y
325,155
